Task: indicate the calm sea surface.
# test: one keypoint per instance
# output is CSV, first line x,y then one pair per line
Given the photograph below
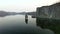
x,y
19,25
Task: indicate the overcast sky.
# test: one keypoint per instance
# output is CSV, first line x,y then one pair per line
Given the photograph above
x,y
24,5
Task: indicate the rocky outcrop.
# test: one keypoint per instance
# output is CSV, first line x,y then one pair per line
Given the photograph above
x,y
52,11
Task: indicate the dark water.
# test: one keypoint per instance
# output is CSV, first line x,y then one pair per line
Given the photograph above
x,y
19,25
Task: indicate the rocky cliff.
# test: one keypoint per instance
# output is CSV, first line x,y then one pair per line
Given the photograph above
x,y
52,11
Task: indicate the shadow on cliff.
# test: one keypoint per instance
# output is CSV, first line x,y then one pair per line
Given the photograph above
x,y
51,24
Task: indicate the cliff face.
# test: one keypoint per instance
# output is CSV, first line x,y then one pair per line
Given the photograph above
x,y
55,10
42,11
52,11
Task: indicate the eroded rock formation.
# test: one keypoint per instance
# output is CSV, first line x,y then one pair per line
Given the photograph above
x,y
52,11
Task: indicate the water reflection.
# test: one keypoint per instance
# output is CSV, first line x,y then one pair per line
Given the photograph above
x,y
17,25
26,21
3,15
26,18
52,24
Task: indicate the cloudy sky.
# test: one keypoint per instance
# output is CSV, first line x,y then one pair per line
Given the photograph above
x,y
24,5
